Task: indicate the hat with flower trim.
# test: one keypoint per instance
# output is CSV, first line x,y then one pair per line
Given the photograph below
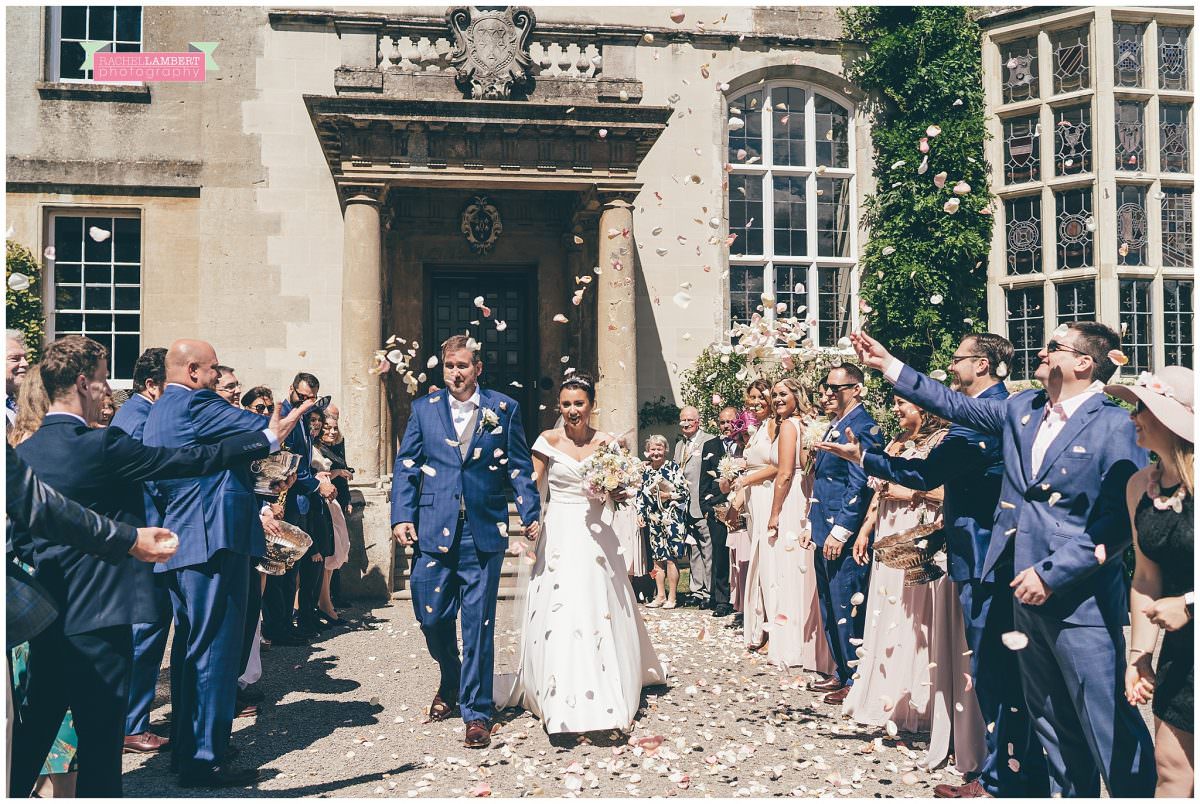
x,y
1169,395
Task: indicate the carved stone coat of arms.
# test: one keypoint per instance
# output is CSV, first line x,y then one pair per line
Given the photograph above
x,y
491,49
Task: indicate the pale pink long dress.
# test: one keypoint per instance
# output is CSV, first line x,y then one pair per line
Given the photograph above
x,y
907,629
797,638
758,608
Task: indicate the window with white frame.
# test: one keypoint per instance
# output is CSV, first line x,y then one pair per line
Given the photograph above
x,y
71,26
792,209
1026,329
1177,321
95,286
1137,319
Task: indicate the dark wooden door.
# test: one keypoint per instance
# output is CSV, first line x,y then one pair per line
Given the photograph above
x,y
510,355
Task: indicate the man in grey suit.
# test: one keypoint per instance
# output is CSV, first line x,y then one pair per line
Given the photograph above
x,y
689,454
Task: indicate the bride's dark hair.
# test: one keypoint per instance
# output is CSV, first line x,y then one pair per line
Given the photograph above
x,y
580,382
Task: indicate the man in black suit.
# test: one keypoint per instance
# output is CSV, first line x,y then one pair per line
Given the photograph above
x,y
711,496
83,660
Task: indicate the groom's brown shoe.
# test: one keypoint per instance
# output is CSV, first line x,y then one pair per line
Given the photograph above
x,y
831,684
969,790
478,734
441,710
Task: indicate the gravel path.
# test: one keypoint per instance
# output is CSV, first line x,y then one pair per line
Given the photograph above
x,y
346,717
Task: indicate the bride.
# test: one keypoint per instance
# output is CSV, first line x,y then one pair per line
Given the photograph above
x,y
584,651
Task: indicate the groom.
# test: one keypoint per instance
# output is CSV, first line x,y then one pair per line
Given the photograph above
x,y
461,449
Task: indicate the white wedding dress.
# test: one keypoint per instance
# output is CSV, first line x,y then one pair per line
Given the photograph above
x,y
584,654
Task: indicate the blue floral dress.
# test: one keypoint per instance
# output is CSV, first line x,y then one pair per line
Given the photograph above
x,y
663,522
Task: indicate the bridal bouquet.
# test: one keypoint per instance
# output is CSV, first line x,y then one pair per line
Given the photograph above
x,y
609,471
730,468
812,434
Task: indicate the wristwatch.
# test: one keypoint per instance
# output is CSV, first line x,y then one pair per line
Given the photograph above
x,y
1189,601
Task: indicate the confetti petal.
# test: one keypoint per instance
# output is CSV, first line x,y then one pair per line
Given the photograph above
x,y
1014,640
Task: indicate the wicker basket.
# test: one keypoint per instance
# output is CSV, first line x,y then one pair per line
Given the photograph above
x,y
912,548
925,573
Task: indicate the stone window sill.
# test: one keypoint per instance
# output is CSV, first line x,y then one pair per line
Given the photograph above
x,y
103,93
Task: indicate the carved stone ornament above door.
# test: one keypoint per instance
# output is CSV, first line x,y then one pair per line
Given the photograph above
x,y
491,53
481,224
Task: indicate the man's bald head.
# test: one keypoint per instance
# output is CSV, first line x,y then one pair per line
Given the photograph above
x,y
192,363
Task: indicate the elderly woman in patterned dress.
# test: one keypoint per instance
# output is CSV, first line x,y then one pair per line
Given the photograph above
x,y
662,502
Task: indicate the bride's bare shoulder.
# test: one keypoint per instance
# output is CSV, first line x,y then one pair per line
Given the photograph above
x,y
552,437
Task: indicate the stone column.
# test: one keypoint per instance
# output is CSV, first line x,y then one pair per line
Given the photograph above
x,y
362,322
616,324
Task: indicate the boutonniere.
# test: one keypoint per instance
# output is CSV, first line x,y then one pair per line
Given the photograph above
x,y
503,405
488,420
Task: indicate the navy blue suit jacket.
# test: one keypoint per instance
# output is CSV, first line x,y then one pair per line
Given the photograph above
x,y
103,469
1054,520
431,476
970,465
840,493
212,510
299,442
131,417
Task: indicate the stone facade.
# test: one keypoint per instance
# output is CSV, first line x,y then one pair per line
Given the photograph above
x,y
305,201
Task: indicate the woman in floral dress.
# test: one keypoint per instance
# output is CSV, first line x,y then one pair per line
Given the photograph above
x,y
662,502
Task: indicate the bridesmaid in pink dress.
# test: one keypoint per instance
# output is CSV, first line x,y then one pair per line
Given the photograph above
x,y
912,669
758,608
798,639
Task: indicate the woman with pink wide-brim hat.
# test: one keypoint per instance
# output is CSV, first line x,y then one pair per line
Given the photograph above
x,y
1161,498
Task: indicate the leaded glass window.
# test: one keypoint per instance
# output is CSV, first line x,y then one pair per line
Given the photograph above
x,y
791,288
1131,136
745,143
833,304
1072,140
1173,138
833,217
1023,232
1020,70
1131,225
1178,309
1136,319
1076,301
1021,150
791,216
1075,226
1026,329
1072,70
833,124
745,291
1128,54
97,281
787,126
746,213
1172,57
1177,228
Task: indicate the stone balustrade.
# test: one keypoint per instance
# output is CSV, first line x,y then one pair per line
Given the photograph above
x,y
560,57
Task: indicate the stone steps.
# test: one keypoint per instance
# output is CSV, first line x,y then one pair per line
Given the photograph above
x,y
508,570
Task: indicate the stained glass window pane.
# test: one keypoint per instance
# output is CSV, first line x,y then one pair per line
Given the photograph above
x,y
1136,316
746,213
833,133
746,142
1023,232
787,126
1072,69
791,217
1131,136
1075,225
1131,225
833,217
1021,150
1026,329
1128,54
1172,57
1177,228
1173,138
745,292
833,299
1076,301
1072,140
1178,310
1019,61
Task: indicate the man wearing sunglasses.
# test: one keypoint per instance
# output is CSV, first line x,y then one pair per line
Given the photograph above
x,y
840,500
1062,525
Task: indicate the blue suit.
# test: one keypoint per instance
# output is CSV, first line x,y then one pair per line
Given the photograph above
x,y
149,638
457,558
841,496
970,466
216,518
1073,667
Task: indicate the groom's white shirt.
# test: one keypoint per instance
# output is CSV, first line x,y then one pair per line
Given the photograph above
x,y
461,412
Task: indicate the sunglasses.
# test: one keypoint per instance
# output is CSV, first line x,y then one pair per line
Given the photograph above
x,y
263,408
1139,408
1053,346
833,389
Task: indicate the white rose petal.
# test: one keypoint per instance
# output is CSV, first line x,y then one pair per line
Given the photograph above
x,y
1014,640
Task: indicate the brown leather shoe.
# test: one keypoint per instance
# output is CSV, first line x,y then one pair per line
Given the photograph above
x,y
441,710
831,684
971,789
145,743
837,696
478,734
